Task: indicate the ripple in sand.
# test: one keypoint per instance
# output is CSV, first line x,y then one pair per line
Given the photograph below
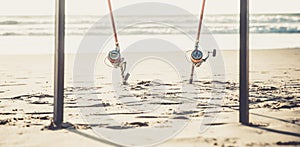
x,y
129,113
4,122
119,127
38,113
22,78
290,143
91,106
267,88
180,117
40,117
185,112
152,117
33,96
77,89
215,124
145,83
8,113
39,102
137,124
138,88
167,103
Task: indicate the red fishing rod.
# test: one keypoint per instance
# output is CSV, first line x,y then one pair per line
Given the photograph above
x,y
197,55
114,56
113,24
200,24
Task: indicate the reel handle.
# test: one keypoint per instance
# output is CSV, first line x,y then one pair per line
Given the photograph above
x,y
214,53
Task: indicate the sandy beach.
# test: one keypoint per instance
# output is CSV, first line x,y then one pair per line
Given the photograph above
x,y
26,103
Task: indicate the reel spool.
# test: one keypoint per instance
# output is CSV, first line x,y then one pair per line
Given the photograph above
x,y
196,56
114,57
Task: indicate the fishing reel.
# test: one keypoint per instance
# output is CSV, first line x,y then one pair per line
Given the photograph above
x,y
117,61
197,57
114,58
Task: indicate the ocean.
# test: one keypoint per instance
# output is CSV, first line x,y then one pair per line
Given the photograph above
x,y
35,34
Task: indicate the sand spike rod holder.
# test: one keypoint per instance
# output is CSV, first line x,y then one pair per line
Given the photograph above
x,y
114,56
197,55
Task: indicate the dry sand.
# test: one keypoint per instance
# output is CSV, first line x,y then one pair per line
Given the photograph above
x,y
26,104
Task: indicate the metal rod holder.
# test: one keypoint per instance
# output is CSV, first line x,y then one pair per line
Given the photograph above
x,y
244,62
59,64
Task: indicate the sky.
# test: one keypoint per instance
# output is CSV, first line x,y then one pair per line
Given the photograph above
x,y
99,7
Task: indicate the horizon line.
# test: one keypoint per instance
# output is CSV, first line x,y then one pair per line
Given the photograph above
x,y
279,13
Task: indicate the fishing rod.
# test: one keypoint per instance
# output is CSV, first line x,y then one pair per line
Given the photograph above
x,y
114,56
197,55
